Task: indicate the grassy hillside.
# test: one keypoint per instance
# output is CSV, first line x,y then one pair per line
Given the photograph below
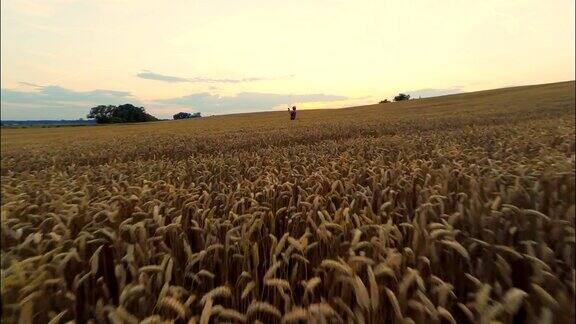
x,y
456,209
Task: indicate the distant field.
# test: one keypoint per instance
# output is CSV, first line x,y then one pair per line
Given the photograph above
x,y
45,123
453,209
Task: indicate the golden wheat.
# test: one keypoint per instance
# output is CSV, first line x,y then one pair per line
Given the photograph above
x,y
410,213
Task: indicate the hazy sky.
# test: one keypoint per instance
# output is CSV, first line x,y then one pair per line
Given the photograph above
x,y
61,57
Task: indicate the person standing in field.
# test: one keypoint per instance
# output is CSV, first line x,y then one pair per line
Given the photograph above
x,y
292,113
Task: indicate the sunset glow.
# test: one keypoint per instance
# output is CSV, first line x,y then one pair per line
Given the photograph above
x,y
60,57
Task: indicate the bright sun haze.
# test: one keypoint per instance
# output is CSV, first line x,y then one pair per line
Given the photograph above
x,y
62,57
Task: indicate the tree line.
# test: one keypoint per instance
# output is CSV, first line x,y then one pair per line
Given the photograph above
x,y
400,97
128,113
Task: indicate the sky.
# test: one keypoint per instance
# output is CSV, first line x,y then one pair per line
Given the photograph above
x,y
59,58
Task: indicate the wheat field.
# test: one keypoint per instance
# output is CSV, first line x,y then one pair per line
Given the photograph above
x,y
456,209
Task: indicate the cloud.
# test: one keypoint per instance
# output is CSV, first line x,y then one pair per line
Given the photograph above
x,y
55,102
149,75
432,92
28,84
56,94
160,77
245,101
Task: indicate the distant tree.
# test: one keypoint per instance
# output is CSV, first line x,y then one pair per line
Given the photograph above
x,y
132,114
384,101
182,115
185,115
102,114
126,113
402,97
